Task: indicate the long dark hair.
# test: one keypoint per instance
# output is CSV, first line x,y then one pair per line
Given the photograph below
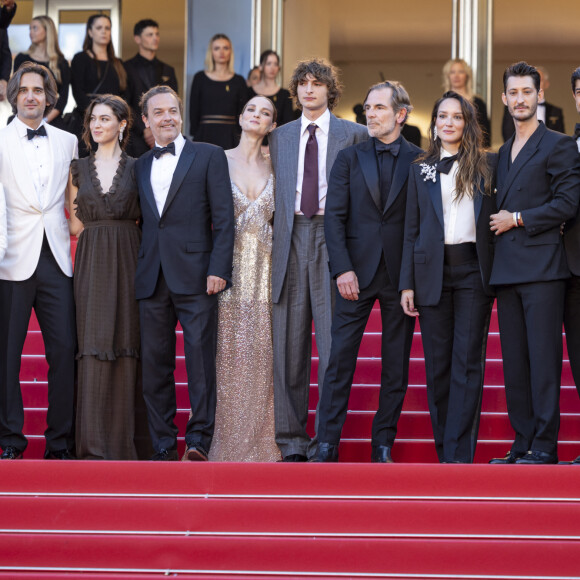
x,y
120,110
472,159
88,47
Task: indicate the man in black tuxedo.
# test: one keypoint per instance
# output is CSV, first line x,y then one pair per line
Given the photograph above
x,y
538,188
363,225
7,11
550,115
145,71
572,245
185,259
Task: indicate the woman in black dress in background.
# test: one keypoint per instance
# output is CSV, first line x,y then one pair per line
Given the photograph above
x,y
458,77
44,50
268,87
96,70
104,210
218,96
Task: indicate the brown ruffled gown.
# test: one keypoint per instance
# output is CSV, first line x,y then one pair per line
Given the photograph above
x,y
107,311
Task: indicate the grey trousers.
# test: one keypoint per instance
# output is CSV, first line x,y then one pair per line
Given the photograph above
x,y
307,296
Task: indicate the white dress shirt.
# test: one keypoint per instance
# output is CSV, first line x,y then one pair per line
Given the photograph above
x,y
3,225
458,216
323,124
38,157
162,171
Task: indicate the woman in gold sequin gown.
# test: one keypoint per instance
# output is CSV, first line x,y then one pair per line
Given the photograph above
x,y
244,423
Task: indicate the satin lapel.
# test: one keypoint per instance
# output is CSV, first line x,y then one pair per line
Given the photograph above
x,y
146,183
528,151
502,171
337,140
406,157
370,170
22,178
435,195
183,165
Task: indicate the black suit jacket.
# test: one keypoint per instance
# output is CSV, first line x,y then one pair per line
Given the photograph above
x,y
194,236
572,243
6,16
142,75
544,184
357,229
5,54
424,246
554,121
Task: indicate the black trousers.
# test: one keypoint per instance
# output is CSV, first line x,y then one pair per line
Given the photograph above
x,y
50,293
158,315
530,325
348,324
572,326
454,334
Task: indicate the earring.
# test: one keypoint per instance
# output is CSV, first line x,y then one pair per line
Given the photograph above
x,y
121,134
434,133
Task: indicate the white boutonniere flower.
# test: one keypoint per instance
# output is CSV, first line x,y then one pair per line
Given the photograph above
x,y
429,171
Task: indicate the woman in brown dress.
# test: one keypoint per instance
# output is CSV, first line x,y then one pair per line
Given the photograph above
x,y
104,210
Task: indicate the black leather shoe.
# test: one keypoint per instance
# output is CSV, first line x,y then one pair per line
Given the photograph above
x,y
381,454
511,457
59,454
538,458
165,455
326,453
195,453
294,458
11,452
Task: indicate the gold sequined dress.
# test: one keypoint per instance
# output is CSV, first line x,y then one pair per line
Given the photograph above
x,y
244,423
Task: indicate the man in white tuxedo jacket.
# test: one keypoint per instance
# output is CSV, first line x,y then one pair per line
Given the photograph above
x,y
37,270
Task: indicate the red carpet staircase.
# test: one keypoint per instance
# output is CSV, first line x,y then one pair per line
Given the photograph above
x,y
145,520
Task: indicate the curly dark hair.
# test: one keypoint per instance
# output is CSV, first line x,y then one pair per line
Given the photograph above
x,y
521,69
323,72
472,158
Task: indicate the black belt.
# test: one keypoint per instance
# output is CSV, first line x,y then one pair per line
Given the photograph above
x,y
456,254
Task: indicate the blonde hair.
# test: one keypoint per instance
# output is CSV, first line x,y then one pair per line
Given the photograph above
x,y
447,70
52,48
209,62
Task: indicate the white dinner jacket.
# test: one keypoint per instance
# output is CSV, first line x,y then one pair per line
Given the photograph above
x,y
26,219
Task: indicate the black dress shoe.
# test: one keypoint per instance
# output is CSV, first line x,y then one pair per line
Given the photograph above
x,y
511,457
59,454
381,454
538,458
294,458
165,455
195,452
326,453
11,452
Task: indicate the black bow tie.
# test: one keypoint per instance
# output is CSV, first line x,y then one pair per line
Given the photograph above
x,y
159,151
40,132
577,130
392,148
445,164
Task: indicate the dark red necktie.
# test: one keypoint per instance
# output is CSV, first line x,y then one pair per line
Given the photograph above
x,y
309,199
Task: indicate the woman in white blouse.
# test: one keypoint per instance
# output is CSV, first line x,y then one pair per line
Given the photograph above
x,y
3,225
447,258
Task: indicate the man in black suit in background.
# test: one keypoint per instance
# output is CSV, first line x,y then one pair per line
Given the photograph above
x,y
550,115
185,259
572,245
145,71
363,225
7,11
538,188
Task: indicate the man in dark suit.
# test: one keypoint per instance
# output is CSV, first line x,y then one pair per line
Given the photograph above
x,y
7,11
145,71
185,259
572,245
363,224
550,115
538,188
303,153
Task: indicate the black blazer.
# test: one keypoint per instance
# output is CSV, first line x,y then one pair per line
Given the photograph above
x,y
424,245
194,236
357,230
554,121
544,184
